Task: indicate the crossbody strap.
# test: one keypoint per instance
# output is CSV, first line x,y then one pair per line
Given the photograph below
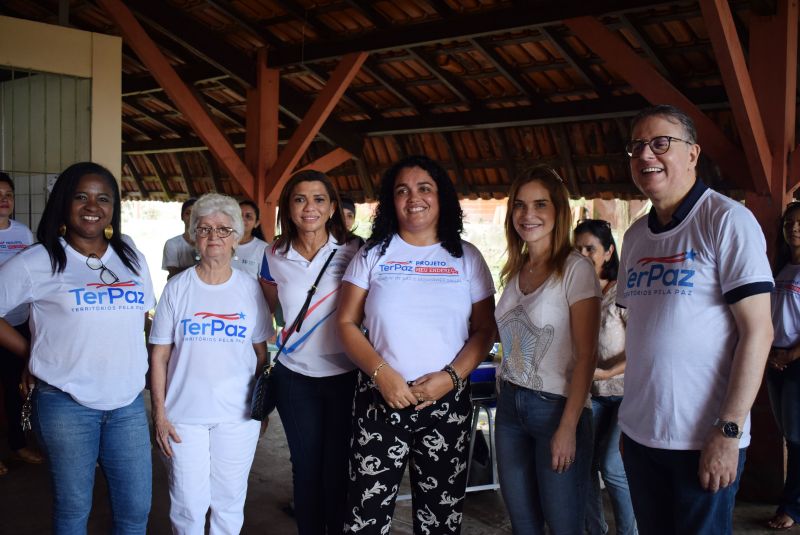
x,y
298,321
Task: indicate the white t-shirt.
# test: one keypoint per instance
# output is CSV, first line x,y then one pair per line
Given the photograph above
x,y
420,301
88,337
681,333
316,350
786,307
248,257
212,329
538,351
178,253
14,239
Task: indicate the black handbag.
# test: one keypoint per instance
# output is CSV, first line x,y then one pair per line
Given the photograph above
x,y
265,396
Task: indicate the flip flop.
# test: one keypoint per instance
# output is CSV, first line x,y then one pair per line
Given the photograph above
x,y
778,522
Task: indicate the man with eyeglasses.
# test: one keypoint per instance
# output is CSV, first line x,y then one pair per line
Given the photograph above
x,y
695,278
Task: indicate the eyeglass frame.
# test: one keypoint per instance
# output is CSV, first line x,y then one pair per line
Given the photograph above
x,y
206,231
102,268
631,151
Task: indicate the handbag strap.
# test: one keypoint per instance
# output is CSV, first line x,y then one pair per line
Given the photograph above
x,y
298,321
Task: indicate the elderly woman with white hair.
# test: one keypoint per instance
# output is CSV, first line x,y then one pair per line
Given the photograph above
x,y
208,339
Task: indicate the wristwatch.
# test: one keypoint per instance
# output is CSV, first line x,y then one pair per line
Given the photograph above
x,y
729,429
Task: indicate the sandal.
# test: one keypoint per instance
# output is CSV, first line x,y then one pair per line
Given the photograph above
x,y
780,522
28,455
3,469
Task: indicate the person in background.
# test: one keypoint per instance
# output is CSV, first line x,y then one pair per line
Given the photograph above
x,y
88,291
208,339
314,378
783,370
695,279
426,298
594,240
251,249
548,318
179,252
349,210
14,237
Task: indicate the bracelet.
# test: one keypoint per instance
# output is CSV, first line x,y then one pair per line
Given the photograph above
x,y
458,383
375,373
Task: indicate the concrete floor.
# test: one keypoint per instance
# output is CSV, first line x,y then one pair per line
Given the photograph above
x,y
25,505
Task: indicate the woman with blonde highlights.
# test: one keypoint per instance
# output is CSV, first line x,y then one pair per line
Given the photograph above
x,y
548,319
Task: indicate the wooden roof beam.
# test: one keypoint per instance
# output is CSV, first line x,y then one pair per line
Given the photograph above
x,y
213,170
736,78
372,14
184,97
365,180
148,115
227,8
329,161
488,51
160,176
565,152
646,44
372,69
450,81
649,83
577,63
355,100
454,27
323,105
186,175
455,161
137,176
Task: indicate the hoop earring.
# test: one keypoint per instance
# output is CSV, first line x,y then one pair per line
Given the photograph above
x,y
62,230
108,232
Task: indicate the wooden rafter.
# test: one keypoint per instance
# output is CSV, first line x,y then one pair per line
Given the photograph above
x,y
647,81
455,161
213,170
451,28
499,138
450,81
308,128
500,66
227,8
372,14
188,180
354,99
159,174
183,97
364,179
735,76
329,161
577,63
565,153
371,68
137,176
646,44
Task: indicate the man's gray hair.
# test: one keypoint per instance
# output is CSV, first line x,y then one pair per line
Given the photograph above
x,y
214,203
670,113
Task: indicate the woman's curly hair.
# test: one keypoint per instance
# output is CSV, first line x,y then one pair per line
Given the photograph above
x,y
451,218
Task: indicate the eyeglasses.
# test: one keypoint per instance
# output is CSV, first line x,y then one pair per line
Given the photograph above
x,y
659,145
106,275
221,232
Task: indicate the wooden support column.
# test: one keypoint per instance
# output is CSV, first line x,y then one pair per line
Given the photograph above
x,y
307,129
184,97
261,139
648,82
773,70
736,78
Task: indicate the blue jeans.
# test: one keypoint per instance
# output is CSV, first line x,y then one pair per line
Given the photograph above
x,y
75,438
667,496
608,461
317,417
784,396
535,494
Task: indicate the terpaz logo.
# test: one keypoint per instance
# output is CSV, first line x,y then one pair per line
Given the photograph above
x,y
666,271
214,325
118,293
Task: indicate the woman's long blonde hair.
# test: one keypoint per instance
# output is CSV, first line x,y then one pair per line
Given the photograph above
x,y
562,230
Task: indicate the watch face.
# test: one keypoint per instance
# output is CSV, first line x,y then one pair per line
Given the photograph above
x,y
730,429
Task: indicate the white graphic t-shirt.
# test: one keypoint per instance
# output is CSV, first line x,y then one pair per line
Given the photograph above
x,y
13,240
419,302
212,328
681,333
786,307
178,253
88,336
538,351
315,351
248,257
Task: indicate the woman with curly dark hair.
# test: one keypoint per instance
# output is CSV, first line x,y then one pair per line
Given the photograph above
x,y
89,290
425,297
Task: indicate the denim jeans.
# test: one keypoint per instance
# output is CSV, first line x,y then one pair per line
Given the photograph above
x,y
667,496
784,396
74,439
607,460
317,416
534,494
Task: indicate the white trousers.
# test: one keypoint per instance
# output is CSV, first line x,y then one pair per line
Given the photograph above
x,y
209,468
